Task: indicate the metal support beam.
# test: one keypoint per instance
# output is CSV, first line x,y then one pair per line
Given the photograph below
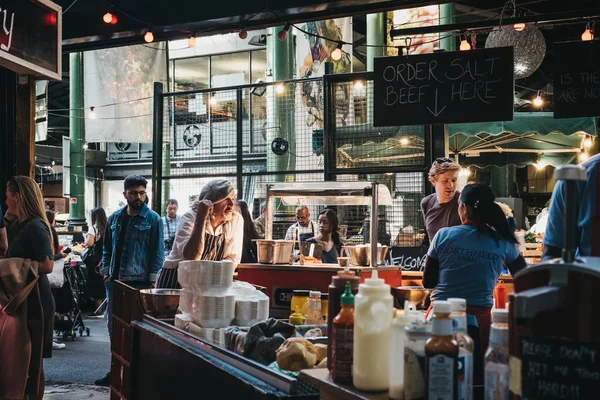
x,y
375,37
157,147
540,19
240,144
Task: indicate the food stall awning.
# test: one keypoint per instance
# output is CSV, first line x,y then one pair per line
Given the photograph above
x,y
329,193
530,138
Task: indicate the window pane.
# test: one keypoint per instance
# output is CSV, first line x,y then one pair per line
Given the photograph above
x,y
259,65
191,73
230,69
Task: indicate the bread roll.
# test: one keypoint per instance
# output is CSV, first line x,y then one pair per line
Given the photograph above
x,y
296,354
322,349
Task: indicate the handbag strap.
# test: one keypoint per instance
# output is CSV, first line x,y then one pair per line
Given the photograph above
x,y
13,304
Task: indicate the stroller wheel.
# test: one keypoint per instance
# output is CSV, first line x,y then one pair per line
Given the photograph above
x,y
87,331
73,336
80,331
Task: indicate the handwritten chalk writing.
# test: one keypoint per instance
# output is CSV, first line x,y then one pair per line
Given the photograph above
x,y
8,31
543,351
409,259
557,390
444,87
581,354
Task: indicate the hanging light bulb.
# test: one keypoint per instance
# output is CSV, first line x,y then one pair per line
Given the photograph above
x,y
213,100
192,41
588,34
85,146
359,85
519,26
149,36
92,113
539,165
583,157
404,141
336,55
587,143
107,18
280,89
538,101
53,163
282,34
243,34
464,44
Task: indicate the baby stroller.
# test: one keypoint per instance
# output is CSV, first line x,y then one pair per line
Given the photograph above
x,y
69,299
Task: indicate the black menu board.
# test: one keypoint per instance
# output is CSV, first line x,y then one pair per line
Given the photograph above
x,y
408,258
559,369
577,79
445,87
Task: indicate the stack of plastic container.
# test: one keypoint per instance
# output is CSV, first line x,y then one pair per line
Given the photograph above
x,y
210,301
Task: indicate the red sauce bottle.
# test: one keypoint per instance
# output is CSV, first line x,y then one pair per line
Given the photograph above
x,y
342,339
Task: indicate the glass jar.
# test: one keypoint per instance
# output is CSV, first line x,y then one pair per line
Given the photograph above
x,y
299,299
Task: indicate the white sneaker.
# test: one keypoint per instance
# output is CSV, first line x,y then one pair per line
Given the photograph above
x,y
57,346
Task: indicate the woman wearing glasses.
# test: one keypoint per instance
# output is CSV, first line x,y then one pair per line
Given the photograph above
x,y
440,209
211,230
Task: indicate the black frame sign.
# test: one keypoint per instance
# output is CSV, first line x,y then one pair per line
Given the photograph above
x,y
444,87
577,79
31,37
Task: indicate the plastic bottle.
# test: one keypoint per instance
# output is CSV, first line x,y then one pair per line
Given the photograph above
x,y
496,358
314,316
373,311
342,334
336,290
397,354
466,348
441,356
297,318
417,332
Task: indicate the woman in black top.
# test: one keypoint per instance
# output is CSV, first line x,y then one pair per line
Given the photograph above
x,y
95,283
30,238
329,236
249,255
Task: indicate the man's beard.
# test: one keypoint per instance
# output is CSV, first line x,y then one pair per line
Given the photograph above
x,y
135,204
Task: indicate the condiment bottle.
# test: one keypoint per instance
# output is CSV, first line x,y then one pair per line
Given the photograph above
x,y
342,334
397,355
417,333
314,316
441,356
336,290
496,358
297,318
373,311
466,348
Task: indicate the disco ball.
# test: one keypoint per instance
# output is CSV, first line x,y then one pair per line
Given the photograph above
x,y
529,47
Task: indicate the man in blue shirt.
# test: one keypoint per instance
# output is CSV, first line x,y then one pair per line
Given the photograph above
x,y
133,245
588,215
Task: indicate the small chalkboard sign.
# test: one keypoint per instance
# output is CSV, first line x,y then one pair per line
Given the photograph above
x,y
409,258
445,87
559,369
577,79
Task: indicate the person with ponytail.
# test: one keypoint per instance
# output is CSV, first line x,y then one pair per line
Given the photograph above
x,y
466,261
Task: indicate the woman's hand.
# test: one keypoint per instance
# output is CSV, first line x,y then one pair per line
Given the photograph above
x,y
205,208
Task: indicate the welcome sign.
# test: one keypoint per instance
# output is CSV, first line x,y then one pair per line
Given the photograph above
x,y
30,37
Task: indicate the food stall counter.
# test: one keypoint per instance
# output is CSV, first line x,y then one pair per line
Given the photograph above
x,y
282,279
330,390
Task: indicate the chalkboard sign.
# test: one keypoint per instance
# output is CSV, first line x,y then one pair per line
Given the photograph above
x,y
559,369
440,88
409,258
577,79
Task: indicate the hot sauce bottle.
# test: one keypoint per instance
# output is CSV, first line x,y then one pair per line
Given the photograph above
x,y
441,356
342,343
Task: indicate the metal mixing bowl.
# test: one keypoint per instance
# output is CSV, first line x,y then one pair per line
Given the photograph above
x,y
361,255
160,303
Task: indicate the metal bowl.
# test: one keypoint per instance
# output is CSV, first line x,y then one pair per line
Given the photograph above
x,y
416,296
361,255
160,303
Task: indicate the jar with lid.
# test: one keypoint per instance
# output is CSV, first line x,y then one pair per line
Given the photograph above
x,y
299,299
314,315
417,332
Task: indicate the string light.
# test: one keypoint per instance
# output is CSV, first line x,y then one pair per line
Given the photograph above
x,y
583,156
279,88
192,41
107,18
588,34
359,85
85,146
92,113
213,100
519,26
282,34
538,102
149,36
404,141
587,143
243,34
539,165
336,55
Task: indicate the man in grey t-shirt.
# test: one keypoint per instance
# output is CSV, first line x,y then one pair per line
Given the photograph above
x,y
440,209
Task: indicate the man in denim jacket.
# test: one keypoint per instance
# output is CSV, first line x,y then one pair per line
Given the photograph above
x,y
133,245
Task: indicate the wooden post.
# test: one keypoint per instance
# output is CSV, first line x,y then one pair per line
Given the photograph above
x,y
25,126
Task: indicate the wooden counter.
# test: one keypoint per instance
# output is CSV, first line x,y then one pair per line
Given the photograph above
x,y
330,390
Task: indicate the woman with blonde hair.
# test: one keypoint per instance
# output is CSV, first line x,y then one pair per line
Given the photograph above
x,y
31,239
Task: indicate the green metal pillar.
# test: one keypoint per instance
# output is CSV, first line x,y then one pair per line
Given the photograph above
x,y
77,139
375,37
282,124
447,12
503,180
